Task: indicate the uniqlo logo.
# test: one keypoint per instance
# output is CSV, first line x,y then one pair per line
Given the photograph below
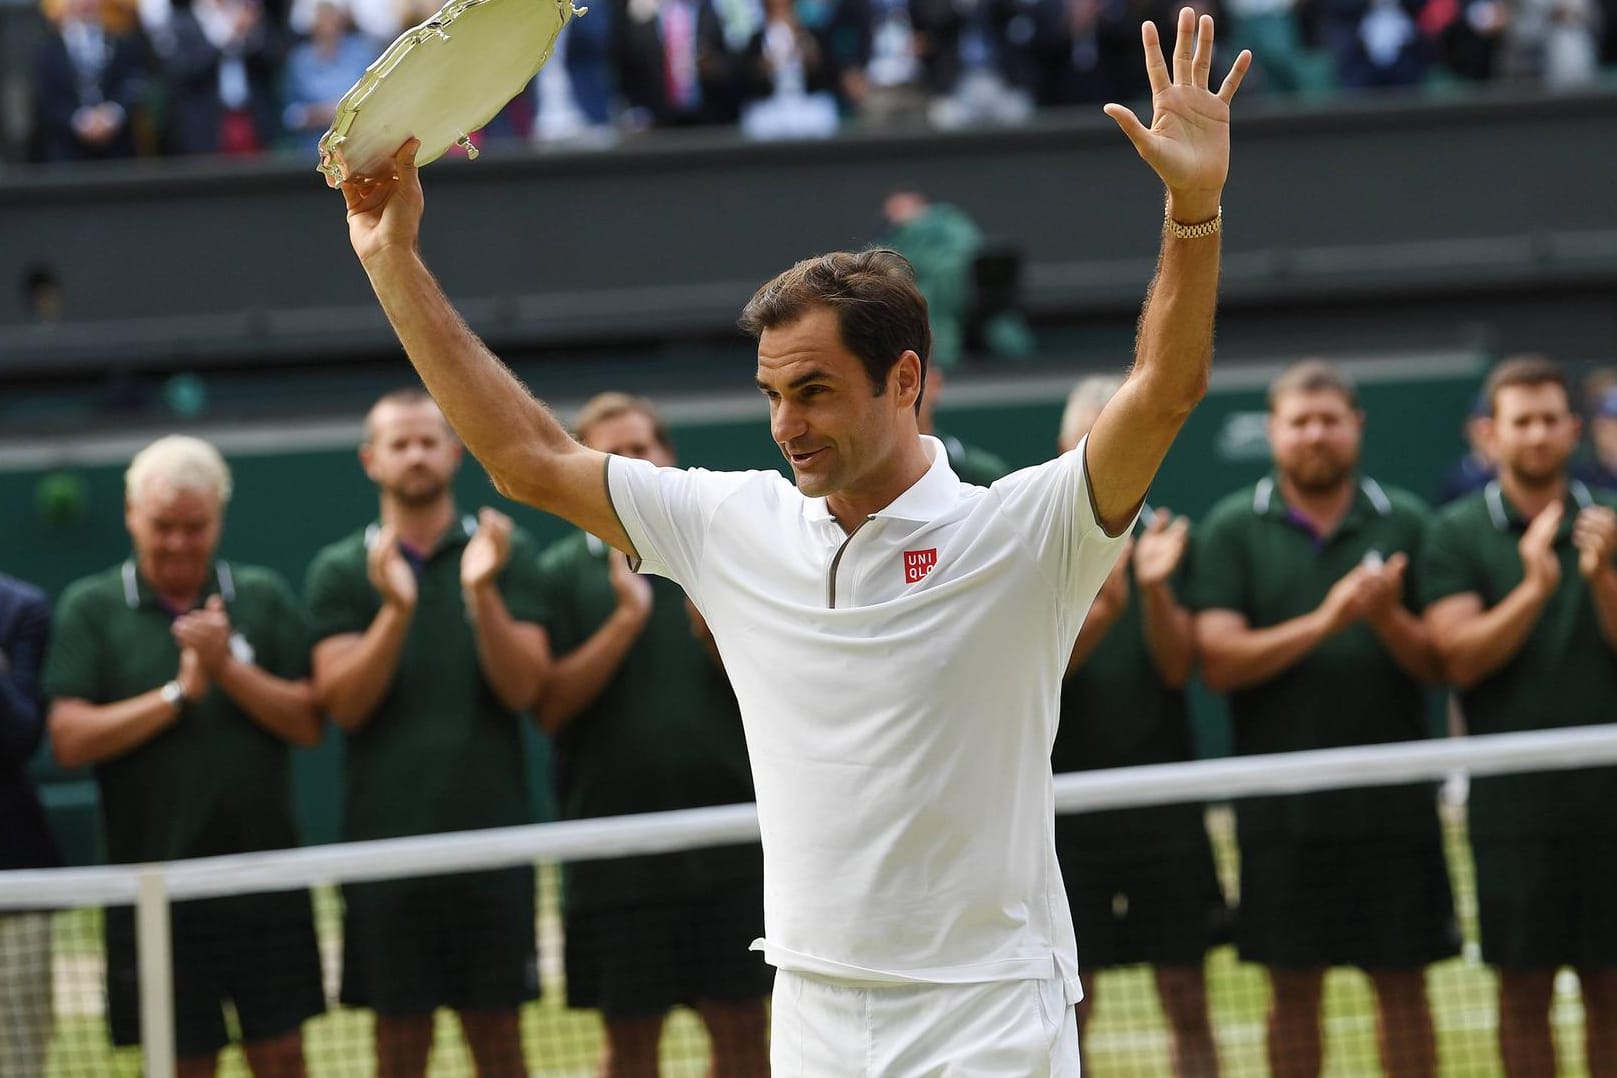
x,y
918,563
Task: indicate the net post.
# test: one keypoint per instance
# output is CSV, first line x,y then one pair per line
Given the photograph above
x,y
155,956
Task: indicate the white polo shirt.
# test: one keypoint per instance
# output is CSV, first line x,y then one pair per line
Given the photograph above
x,y
900,690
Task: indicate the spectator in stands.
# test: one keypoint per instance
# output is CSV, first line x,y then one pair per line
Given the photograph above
x,y
981,66
221,68
1141,882
1270,28
1601,468
89,83
1376,43
320,70
429,648
1085,50
1522,607
970,463
1475,469
1555,42
182,678
574,99
644,720
1304,618
788,79
25,839
673,65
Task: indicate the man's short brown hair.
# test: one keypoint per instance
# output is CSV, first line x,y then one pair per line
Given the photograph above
x,y
1523,370
1313,376
606,406
404,397
880,313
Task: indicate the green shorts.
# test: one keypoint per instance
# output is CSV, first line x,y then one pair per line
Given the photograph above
x,y
464,941
636,961
1548,902
1378,904
255,952
1165,908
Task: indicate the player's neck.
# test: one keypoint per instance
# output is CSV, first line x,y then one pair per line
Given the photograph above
x,y
853,505
419,527
1529,497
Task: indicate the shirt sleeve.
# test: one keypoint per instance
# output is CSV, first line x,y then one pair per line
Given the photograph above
x,y
1219,570
287,637
666,513
1446,565
329,600
74,661
521,585
1051,505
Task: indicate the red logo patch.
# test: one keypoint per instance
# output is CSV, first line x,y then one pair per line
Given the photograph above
x,y
918,563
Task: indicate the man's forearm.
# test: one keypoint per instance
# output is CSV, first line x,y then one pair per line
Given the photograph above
x,y
1169,636
1603,589
490,409
1174,351
580,676
1409,643
83,733
1235,659
350,687
1481,645
511,653
284,708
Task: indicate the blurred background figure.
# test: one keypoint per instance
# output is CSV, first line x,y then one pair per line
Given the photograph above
x,y
1376,43
89,86
221,62
27,1008
1140,882
948,252
320,70
788,79
1600,470
1475,467
576,100
674,66
974,465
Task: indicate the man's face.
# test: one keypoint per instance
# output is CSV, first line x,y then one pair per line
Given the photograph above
x,y
1533,432
628,434
412,455
175,533
1314,436
823,413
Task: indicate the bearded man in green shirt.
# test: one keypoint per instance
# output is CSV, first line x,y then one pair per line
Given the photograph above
x,y
1522,604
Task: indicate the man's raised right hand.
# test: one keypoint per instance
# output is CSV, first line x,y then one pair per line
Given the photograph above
x,y
384,212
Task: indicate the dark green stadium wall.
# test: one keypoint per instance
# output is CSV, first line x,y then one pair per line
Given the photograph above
x,y
289,504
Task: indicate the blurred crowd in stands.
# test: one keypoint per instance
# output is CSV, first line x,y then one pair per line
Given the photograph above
x,y
121,78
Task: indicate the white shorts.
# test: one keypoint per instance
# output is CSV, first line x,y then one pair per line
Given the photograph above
x,y
1000,1029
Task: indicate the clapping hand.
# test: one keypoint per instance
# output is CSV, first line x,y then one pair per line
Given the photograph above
x,y
1594,533
488,551
1159,549
389,573
205,632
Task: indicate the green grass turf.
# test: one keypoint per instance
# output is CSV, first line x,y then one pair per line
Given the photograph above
x,y
1127,1036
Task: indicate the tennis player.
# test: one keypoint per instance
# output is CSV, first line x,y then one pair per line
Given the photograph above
x,y
895,637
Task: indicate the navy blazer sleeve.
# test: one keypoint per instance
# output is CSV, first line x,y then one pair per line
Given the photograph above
x,y
24,627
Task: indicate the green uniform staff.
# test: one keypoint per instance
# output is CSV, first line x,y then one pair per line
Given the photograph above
x,y
1141,882
1304,595
644,720
1522,598
971,463
183,680
429,651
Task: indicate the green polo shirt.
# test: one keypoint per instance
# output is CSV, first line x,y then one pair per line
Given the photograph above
x,y
665,734
441,753
214,781
1253,555
1116,711
1564,675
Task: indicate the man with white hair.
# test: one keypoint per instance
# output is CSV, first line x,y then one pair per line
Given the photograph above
x,y
181,679
1140,881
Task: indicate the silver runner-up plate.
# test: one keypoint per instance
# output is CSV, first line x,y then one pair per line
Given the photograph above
x,y
439,82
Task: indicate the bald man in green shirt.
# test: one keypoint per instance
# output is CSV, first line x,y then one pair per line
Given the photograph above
x,y
1522,603
183,680
1304,592
430,649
